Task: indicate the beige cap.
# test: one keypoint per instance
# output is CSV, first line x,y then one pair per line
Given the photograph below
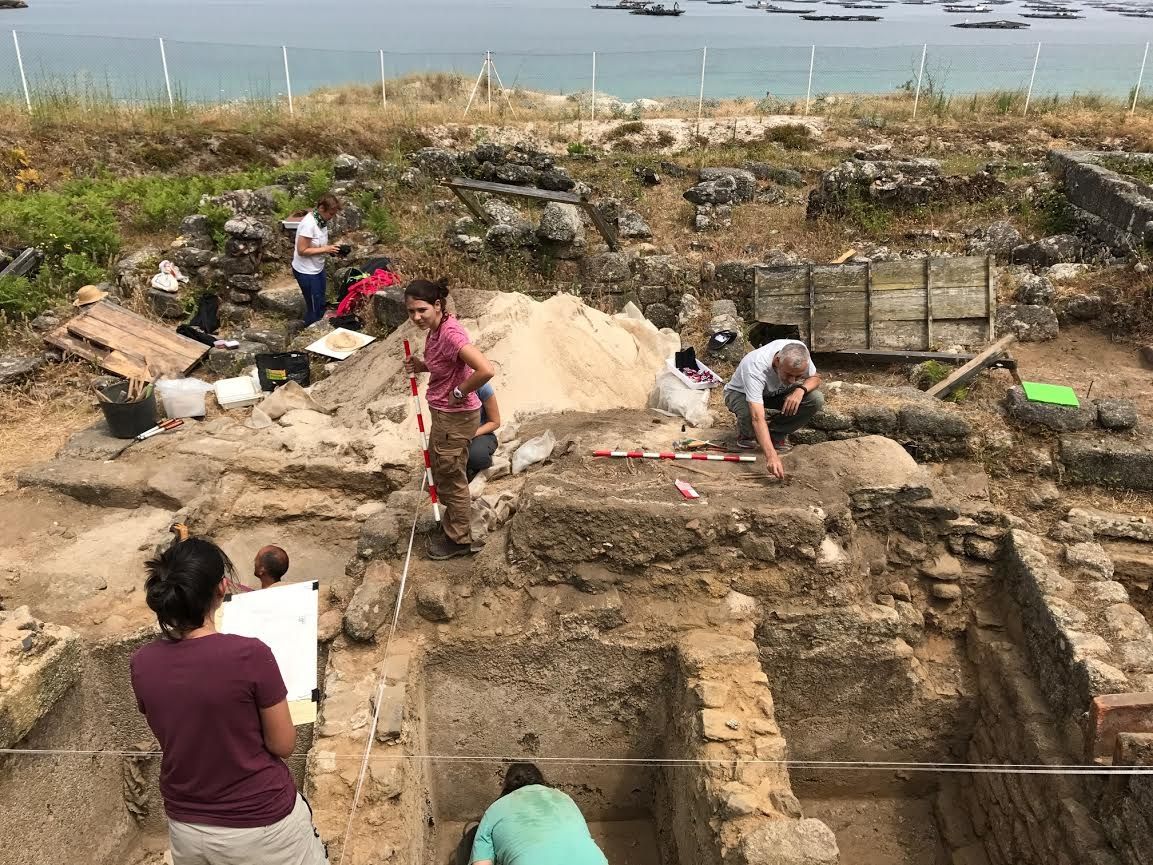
x,y
89,294
342,340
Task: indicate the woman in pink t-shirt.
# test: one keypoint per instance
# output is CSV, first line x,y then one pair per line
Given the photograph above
x,y
456,370
217,705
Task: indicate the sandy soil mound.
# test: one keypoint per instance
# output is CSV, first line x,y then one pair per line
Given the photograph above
x,y
552,356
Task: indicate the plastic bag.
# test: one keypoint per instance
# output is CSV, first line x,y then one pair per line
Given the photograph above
x,y
670,396
533,451
183,397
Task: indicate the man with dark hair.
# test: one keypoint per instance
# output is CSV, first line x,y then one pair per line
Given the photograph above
x,y
531,824
271,565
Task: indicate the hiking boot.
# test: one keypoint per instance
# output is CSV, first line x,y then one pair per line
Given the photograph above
x,y
782,446
747,444
441,547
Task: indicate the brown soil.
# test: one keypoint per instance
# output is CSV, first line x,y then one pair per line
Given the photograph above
x,y
876,830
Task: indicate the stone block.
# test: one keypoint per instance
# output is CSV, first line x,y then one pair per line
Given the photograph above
x,y
388,308
1111,714
775,174
875,419
662,315
1048,251
745,182
789,842
1113,525
286,300
1028,323
1116,414
1110,463
1090,558
15,369
38,664
606,267
166,305
370,607
1055,417
434,601
932,420
831,420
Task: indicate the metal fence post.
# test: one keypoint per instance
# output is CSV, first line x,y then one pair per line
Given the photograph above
x,y
288,80
809,88
1032,78
701,98
167,80
594,111
23,77
920,74
1140,78
383,86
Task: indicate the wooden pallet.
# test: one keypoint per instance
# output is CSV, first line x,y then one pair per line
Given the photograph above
x,y
125,343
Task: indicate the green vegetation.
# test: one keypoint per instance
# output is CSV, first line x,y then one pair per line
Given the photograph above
x,y
791,136
1138,169
629,127
929,373
577,148
79,224
1048,212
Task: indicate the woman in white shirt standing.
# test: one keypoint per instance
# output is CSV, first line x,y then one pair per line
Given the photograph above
x,y
309,254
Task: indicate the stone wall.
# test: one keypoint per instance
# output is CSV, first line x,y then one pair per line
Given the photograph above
x,y
731,809
1116,207
1081,635
1022,819
1127,804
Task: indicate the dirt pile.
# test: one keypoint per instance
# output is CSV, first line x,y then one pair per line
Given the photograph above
x,y
554,356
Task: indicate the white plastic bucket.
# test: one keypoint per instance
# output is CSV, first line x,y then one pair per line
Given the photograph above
x,y
183,397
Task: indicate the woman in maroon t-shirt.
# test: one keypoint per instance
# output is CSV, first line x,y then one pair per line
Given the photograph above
x,y
216,703
456,369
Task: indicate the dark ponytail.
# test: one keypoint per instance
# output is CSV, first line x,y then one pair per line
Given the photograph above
x,y
429,292
181,584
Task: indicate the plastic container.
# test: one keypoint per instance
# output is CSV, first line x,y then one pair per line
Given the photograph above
x,y
127,420
716,380
278,368
183,397
238,392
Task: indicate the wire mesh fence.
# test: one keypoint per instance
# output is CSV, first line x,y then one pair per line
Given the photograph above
x,y
43,70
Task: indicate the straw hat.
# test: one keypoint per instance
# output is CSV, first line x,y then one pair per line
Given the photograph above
x,y
89,294
342,340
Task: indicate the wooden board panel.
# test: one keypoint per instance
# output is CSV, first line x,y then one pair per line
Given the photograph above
x,y
122,342
913,305
136,325
114,362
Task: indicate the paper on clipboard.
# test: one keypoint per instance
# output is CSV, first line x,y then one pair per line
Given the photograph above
x,y
284,618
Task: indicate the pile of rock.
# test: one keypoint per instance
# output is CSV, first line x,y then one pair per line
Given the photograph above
x,y
1117,415
520,165
895,184
654,283
928,428
715,193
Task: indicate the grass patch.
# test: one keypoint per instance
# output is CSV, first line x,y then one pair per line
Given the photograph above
x,y
791,136
1139,169
1047,213
623,130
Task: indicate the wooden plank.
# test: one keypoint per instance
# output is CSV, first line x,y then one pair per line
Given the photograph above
x,y
868,306
844,256
511,191
838,337
22,264
990,297
105,337
472,204
928,303
945,387
910,335
138,326
607,231
847,277
114,362
811,296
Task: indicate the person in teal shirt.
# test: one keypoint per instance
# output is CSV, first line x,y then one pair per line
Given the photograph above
x,y
533,824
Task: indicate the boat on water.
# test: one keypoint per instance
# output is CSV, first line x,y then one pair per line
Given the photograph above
x,y
1052,16
841,18
993,25
658,10
968,10
1138,14
863,5
625,5
723,2
781,10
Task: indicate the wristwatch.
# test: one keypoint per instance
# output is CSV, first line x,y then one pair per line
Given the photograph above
x,y
456,392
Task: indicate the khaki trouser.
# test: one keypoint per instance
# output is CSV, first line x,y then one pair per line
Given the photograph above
x,y
291,841
779,425
448,443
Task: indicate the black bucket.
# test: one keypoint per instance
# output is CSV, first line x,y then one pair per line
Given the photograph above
x,y
281,367
127,420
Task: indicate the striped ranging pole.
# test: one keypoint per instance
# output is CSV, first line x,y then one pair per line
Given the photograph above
x,y
669,455
423,437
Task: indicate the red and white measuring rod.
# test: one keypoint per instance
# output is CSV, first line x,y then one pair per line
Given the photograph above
x,y
669,455
423,437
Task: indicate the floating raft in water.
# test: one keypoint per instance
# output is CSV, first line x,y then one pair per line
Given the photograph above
x,y
841,17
